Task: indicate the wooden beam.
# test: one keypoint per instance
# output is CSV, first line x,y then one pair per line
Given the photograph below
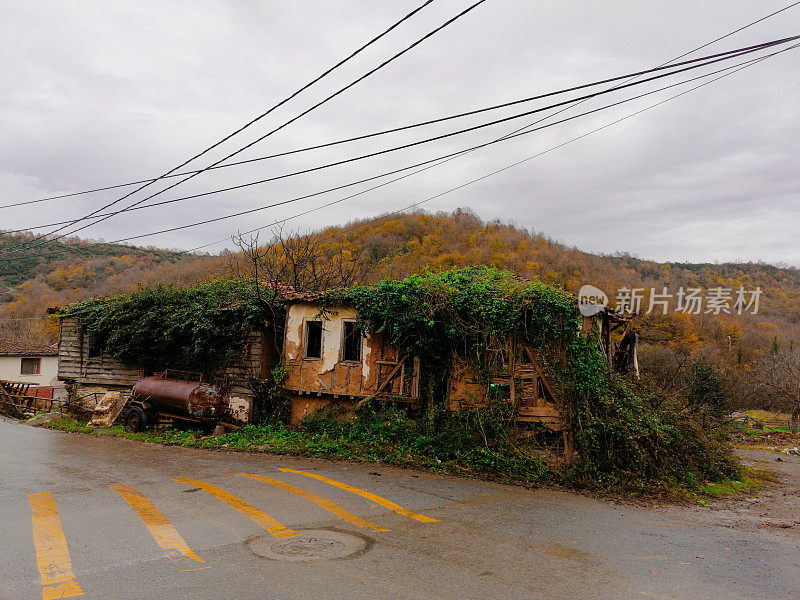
x,y
383,384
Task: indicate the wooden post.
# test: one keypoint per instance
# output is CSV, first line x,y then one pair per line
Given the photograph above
x,y
606,329
635,354
569,446
512,365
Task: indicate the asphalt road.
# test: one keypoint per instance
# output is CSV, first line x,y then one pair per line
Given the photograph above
x,y
96,517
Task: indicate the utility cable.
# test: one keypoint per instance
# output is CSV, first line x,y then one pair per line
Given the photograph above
x,y
434,138
272,131
355,226
253,210
403,127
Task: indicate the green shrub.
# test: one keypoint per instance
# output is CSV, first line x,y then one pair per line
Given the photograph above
x,y
199,328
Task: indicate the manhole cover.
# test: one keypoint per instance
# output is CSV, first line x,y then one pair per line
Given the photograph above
x,y
312,544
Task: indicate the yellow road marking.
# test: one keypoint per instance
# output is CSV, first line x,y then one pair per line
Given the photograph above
x,y
52,555
197,569
163,532
375,498
248,510
318,500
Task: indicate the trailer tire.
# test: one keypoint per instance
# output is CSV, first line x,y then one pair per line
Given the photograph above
x,y
135,420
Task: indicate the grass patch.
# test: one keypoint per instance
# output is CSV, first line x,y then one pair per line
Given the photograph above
x,y
333,440
726,488
753,480
768,439
390,438
68,424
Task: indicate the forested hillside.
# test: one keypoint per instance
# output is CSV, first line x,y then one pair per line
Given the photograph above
x,y
25,257
752,357
35,277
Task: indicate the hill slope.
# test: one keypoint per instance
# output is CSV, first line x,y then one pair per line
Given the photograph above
x,y
674,345
28,258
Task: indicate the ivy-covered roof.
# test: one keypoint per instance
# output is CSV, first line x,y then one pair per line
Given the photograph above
x,y
198,328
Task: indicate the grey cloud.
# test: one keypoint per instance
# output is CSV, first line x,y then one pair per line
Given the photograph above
x,y
96,94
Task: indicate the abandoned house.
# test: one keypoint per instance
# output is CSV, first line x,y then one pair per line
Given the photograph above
x,y
89,371
328,360
332,364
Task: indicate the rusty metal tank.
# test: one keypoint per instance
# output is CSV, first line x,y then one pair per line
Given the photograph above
x,y
182,394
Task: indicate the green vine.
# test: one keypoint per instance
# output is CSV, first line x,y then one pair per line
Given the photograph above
x,y
200,328
621,432
460,312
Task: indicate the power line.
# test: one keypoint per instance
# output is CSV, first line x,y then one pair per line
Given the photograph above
x,y
290,121
678,57
672,60
566,108
732,70
170,174
428,162
253,210
663,66
685,54
735,31
694,64
267,112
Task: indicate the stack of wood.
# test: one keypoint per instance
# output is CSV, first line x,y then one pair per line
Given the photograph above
x,y
18,400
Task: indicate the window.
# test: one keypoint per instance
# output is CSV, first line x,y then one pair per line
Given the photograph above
x,y
313,339
500,391
31,366
351,346
95,347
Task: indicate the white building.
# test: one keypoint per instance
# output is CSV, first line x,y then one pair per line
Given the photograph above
x,y
28,363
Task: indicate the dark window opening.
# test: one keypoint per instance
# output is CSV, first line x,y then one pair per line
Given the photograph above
x,y
313,339
95,347
352,342
31,366
500,391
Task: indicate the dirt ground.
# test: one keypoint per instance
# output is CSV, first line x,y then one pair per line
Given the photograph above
x,y
774,509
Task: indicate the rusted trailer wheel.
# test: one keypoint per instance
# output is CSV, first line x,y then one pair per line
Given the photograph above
x,y
135,420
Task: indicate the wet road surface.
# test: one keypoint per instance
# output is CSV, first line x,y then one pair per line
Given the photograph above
x,y
95,517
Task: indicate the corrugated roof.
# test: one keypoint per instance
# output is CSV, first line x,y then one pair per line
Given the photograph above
x,y
10,347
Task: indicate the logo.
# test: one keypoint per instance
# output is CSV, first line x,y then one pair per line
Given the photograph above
x,y
591,300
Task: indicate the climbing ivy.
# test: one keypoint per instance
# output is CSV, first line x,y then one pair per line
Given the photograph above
x,y
621,432
433,314
200,328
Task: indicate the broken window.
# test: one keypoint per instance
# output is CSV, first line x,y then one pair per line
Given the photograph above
x,y
352,342
500,391
31,366
313,339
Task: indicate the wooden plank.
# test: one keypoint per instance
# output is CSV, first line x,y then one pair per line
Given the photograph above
x,y
535,363
553,425
539,411
383,383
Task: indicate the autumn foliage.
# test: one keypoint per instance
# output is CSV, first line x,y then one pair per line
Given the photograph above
x,y
753,356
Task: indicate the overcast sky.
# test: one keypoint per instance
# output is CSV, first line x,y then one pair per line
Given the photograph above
x,y
100,93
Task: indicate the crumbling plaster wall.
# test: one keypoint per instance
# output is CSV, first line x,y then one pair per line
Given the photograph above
x,y
332,336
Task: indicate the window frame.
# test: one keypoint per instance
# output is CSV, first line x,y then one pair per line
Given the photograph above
x,y
37,363
306,338
345,323
92,345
